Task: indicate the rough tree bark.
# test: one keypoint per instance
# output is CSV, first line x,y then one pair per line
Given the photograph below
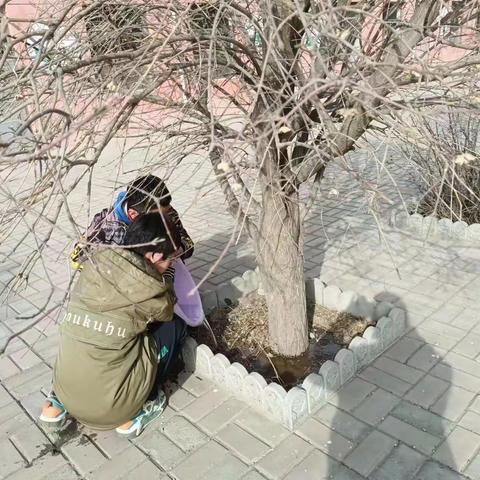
x,y
279,250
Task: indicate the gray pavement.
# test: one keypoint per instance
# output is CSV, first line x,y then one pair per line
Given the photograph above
x,y
413,414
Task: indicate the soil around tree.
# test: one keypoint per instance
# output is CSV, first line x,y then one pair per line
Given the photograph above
x,y
240,332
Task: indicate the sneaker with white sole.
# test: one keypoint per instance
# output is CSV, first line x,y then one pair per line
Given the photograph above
x,y
53,414
150,411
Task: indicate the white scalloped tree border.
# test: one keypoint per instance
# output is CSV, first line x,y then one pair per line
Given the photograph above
x,y
271,399
429,226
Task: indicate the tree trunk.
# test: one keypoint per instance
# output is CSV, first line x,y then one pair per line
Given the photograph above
x,y
279,249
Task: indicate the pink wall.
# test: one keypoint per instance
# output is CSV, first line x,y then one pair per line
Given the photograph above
x,y
372,36
23,13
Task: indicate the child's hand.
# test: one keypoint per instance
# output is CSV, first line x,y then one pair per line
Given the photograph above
x,y
162,266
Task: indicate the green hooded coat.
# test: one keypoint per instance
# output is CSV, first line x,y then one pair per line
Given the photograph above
x,y
106,363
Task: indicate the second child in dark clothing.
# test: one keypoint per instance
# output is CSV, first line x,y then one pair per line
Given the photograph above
x,y
145,194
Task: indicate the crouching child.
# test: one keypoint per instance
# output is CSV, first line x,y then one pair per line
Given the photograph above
x,y
119,335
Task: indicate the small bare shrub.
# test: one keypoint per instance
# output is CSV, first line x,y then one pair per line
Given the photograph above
x,y
448,169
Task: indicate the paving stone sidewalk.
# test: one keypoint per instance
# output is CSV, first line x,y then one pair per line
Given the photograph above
x,y
413,414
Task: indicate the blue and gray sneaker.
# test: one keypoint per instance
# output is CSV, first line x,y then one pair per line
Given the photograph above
x,y
150,411
53,414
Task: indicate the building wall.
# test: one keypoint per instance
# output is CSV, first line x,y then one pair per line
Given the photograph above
x,y
23,13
